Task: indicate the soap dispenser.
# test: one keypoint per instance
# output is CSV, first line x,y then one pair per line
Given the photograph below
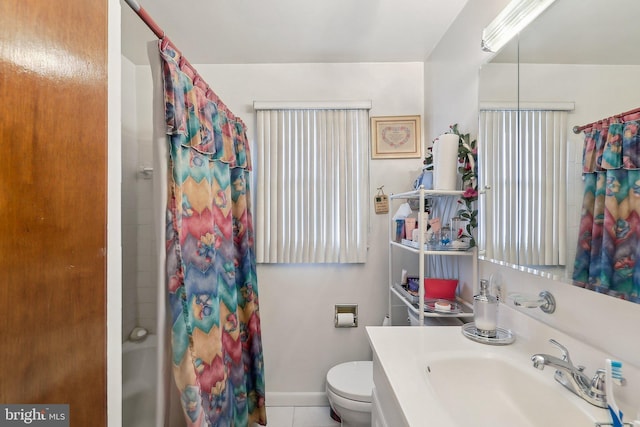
x,y
485,311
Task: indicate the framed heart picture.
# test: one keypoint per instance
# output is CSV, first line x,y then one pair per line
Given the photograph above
x,y
395,137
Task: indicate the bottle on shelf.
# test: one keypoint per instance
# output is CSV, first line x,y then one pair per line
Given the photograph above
x,y
445,236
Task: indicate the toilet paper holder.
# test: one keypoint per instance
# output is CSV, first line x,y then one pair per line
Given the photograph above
x,y
346,316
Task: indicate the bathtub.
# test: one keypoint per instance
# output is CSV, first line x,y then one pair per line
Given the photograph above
x,y
139,360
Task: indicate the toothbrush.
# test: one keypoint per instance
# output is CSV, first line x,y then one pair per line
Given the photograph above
x,y
614,374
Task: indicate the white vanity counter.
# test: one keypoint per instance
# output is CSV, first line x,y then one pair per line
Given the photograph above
x,y
405,394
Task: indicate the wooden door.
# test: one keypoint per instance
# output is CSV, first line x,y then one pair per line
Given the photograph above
x,y
53,169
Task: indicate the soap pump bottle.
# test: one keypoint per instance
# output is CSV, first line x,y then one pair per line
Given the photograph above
x,y
485,311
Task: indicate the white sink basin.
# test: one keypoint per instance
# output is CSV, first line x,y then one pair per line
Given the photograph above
x,y
488,389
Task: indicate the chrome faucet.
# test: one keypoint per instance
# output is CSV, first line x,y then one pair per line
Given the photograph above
x,y
573,377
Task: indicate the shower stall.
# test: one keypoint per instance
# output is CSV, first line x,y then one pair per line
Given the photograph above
x,y
149,398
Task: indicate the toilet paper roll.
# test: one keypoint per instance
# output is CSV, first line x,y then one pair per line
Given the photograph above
x,y
386,321
345,319
445,162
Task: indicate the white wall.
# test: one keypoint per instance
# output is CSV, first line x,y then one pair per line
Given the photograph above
x,y
297,301
139,285
146,273
597,320
129,199
452,70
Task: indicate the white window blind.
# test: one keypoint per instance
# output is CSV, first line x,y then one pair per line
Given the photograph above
x,y
313,185
523,159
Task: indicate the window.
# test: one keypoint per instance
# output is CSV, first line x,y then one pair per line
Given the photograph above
x,y
313,183
523,157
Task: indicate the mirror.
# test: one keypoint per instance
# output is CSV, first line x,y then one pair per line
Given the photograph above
x,y
577,56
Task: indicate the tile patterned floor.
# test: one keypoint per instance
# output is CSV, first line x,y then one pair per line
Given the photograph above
x,y
299,416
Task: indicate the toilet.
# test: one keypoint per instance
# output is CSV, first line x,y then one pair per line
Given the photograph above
x,y
349,385
349,388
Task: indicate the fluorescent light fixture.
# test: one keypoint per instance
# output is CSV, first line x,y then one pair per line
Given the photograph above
x,y
514,18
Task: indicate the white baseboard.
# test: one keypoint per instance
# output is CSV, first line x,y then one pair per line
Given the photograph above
x,y
296,399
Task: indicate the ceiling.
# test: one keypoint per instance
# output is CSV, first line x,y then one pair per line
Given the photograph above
x,y
292,31
580,32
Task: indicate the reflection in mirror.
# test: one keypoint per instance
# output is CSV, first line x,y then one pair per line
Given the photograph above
x,y
515,16
576,62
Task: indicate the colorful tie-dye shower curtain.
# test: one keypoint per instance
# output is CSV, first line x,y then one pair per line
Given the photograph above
x,y
211,273
608,252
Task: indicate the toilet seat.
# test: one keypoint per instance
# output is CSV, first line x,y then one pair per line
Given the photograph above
x,y
352,380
